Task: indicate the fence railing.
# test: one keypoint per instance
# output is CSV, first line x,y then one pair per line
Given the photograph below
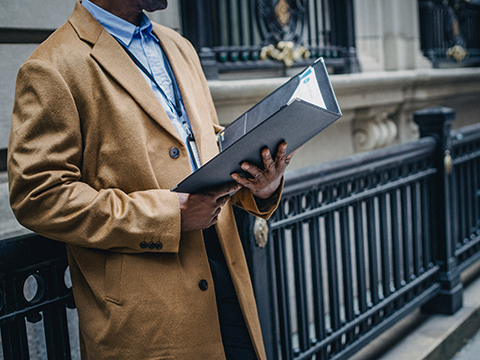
x,y
349,250
466,195
359,243
450,31
233,36
355,246
33,290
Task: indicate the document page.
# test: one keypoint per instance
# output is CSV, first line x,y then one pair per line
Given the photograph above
x,y
308,89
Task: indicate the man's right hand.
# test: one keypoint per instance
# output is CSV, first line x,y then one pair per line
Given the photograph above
x,y
200,211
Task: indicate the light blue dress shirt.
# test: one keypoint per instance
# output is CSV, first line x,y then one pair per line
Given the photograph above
x,y
142,43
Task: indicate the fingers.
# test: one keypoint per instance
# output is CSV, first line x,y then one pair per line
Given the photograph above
x,y
265,182
281,152
225,191
215,217
199,211
271,167
221,197
240,180
253,170
214,221
282,160
268,162
223,200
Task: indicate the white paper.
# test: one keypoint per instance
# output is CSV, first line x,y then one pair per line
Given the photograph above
x,y
308,89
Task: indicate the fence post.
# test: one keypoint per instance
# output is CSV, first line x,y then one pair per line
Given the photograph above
x,y
436,122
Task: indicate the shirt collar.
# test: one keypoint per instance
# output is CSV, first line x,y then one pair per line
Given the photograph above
x,y
121,29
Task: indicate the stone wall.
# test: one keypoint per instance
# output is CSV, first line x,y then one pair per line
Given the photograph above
x,y
377,107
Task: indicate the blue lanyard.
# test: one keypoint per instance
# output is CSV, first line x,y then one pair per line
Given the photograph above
x,y
177,105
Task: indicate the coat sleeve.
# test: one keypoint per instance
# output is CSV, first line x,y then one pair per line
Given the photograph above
x,y
245,200
47,194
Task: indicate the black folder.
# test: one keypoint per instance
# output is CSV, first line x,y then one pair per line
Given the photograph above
x,y
281,116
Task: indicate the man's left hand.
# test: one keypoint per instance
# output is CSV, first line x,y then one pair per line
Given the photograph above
x,y
265,182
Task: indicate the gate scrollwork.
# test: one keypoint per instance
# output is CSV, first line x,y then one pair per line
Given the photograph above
x,y
280,20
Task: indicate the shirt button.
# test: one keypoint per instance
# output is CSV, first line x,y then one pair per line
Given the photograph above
x,y
174,153
159,245
203,285
143,244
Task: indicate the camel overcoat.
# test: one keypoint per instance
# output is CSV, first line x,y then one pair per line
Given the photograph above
x,y
90,163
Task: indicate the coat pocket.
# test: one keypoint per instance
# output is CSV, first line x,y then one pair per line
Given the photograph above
x,y
113,278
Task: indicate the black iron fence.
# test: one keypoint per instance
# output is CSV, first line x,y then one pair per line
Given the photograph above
x,y
450,31
33,289
465,195
239,35
358,244
355,246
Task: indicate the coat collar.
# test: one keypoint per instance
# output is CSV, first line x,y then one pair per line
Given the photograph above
x,y
110,55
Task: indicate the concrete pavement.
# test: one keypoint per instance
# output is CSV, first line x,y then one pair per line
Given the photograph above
x,y
434,337
471,351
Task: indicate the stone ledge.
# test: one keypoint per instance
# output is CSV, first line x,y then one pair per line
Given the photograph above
x,y
375,101
360,90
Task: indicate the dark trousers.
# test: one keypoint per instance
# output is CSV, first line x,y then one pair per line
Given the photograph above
x,y
235,337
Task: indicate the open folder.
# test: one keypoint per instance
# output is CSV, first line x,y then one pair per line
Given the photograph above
x,y
295,113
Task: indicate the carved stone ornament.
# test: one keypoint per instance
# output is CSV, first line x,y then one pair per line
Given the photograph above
x,y
285,51
373,130
457,52
260,231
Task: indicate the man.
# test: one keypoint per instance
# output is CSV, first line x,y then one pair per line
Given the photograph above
x,y
101,130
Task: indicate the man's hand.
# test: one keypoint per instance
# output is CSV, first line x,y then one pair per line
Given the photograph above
x,y
200,211
265,182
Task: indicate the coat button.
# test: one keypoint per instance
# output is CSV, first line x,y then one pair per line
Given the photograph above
x,y
203,285
159,245
143,245
151,245
174,152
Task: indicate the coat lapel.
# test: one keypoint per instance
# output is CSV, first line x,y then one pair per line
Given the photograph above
x,y
182,73
116,62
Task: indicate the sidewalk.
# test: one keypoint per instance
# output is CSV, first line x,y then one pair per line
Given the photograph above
x,y
433,337
471,351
